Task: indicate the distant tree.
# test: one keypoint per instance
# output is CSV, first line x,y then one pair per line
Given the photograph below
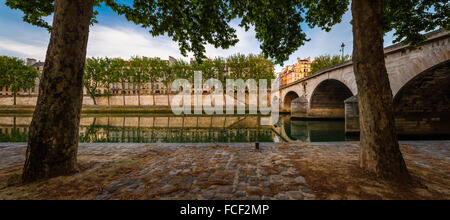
x,y
260,67
168,74
92,77
122,72
16,75
108,77
238,66
325,61
141,69
220,66
154,75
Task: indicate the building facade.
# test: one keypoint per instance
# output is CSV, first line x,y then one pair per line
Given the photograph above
x,y
292,73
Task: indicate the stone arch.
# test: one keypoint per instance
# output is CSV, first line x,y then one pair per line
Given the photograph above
x,y
288,99
422,105
327,100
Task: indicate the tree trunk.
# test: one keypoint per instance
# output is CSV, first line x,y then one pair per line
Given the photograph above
x,y
139,95
92,95
15,97
109,101
168,96
54,130
380,152
123,93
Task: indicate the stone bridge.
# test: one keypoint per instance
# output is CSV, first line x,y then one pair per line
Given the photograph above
x,y
419,78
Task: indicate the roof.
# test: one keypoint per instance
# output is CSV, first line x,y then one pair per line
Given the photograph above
x,y
38,64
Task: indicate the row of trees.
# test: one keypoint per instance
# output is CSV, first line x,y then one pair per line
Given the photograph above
x,y
325,61
106,72
15,75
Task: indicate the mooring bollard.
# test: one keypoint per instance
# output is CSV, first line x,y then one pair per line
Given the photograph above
x,y
257,145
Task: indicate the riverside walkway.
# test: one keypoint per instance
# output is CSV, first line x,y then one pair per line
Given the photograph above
x,y
286,171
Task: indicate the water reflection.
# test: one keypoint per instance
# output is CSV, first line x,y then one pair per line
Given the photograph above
x,y
154,129
189,129
313,131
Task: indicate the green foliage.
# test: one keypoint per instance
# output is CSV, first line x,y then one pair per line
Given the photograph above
x,y
16,75
107,77
411,17
278,25
140,68
325,61
250,67
92,76
103,72
120,70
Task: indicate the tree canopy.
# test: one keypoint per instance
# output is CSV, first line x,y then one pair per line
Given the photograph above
x,y
324,61
16,75
278,26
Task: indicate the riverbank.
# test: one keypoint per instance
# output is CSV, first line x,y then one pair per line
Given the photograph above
x,y
229,171
29,109
89,109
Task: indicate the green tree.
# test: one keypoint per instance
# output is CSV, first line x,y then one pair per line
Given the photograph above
x,y
16,75
141,69
122,73
168,75
221,66
154,75
238,66
325,61
193,23
92,77
107,77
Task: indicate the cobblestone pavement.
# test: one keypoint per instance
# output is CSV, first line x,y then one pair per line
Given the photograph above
x,y
219,171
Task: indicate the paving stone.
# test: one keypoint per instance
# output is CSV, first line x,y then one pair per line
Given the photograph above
x,y
237,170
168,189
295,195
300,179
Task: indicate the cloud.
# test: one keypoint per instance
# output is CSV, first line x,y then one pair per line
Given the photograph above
x,y
248,44
127,42
20,49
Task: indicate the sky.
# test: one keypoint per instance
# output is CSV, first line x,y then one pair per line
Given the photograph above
x,y
114,36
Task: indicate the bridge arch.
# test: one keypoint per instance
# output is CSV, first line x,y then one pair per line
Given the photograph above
x,y
327,99
422,105
287,100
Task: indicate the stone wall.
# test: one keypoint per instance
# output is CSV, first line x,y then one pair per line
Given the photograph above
x,y
117,100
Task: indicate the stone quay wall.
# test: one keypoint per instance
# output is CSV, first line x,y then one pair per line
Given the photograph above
x,y
118,100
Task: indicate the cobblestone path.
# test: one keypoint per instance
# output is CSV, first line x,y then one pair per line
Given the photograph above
x,y
222,171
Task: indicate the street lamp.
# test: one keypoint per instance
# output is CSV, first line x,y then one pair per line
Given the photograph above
x,y
342,50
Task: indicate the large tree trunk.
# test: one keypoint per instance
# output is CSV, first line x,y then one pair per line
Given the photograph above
x,y
53,137
380,152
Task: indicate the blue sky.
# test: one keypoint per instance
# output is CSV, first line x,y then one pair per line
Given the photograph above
x,y
114,36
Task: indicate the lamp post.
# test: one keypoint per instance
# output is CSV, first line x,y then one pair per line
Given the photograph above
x,y
342,50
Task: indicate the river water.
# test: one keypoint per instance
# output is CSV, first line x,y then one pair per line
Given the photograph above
x,y
188,129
